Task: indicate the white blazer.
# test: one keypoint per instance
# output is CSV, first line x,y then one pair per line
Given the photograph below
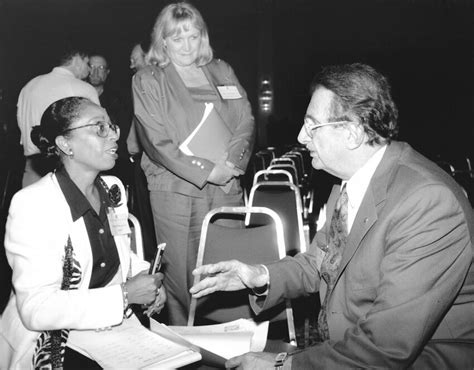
x,y
37,230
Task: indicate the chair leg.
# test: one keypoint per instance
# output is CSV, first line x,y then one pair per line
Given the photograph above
x,y
291,324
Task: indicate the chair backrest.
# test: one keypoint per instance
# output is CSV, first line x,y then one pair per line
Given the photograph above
x,y
297,158
448,167
265,157
272,175
284,198
308,168
287,167
253,245
283,160
136,238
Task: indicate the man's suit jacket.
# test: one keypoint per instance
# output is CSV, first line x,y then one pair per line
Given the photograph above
x,y
405,288
37,231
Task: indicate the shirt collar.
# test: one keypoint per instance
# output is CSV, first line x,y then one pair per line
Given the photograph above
x,y
76,200
357,185
63,70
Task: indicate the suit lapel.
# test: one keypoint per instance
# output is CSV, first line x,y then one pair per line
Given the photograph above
x,y
373,202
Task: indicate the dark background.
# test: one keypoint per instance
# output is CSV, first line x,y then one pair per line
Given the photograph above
x,y
424,47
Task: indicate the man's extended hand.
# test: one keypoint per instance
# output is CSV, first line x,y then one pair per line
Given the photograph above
x,y
228,276
252,360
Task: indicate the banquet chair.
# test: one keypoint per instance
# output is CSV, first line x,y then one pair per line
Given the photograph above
x,y
287,167
283,160
265,156
307,192
251,245
297,158
272,175
284,198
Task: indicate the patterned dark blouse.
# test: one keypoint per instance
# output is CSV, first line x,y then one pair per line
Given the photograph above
x,y
104,251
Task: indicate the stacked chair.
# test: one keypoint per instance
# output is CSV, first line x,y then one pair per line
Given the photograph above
x,y
283,183
292,166
275,222
272,175
260,161
284,198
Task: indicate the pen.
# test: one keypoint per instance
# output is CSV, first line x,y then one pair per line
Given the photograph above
x,y
156,262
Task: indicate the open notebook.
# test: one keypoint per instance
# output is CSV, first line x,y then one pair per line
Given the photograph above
x,y
132,346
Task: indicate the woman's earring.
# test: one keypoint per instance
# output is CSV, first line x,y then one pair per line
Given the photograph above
x,y
70,154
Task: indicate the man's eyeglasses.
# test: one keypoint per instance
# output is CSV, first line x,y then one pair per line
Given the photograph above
x,y
100,67
310,127
102,128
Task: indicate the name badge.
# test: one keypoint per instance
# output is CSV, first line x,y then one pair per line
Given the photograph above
x,y
118,222
320,254
229,92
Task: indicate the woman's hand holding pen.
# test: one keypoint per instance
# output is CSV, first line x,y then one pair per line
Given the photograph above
x,y
159,303
144,288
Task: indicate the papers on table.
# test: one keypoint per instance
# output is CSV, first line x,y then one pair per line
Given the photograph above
x,y
229,339
132,346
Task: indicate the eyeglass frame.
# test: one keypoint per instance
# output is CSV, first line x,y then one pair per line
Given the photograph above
x,y
99,67
309,131
111,126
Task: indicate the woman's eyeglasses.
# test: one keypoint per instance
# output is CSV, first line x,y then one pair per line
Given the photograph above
x,y
102,128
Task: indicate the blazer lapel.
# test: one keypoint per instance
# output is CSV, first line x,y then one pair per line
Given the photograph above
x,y
183,98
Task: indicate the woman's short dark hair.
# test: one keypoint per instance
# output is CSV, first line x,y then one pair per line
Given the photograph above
x,y
364,94
56,119
169,21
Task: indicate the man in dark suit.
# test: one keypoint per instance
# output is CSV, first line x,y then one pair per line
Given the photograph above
x,y
393,263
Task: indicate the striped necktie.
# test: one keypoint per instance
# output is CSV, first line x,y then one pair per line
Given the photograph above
x,y
330,265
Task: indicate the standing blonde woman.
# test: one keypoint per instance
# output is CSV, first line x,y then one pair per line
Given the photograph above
x,y
169,101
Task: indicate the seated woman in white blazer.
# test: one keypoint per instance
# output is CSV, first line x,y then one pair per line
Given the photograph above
x,y
72,267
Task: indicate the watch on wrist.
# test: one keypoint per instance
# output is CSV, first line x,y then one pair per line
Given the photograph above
x,y
280,360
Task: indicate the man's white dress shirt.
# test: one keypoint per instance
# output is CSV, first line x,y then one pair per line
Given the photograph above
x,y
40,93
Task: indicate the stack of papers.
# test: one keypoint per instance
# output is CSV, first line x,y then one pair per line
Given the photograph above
x,y
131,346
227,340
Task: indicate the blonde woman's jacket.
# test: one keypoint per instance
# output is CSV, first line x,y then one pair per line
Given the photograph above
x,y
38,226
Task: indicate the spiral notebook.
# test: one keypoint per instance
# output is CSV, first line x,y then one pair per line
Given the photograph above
x,y
132,346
